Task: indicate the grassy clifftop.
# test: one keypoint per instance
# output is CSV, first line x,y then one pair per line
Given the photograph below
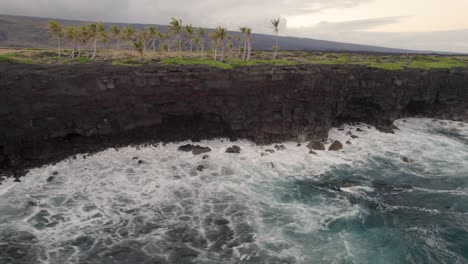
x,y
382,61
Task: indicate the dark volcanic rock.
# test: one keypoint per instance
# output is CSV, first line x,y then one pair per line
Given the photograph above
x,y
205,157
406,159
50,112
185,148
280,147
234,150
316,145
200,168
197,150
335,146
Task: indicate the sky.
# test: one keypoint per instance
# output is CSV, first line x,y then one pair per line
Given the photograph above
x,y
440,25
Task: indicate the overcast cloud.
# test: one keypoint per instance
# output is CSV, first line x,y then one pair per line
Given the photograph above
x,y
255,13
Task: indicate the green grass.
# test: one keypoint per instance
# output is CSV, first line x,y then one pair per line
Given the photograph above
x,y
391,66
239,63
127,62
227,64
195,61
11,58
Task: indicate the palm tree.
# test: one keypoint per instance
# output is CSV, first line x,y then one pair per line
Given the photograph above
x,y
127,36
152,35
275,25
239,44
249,42
72,35
95,29
83,37
116,32
202,36
230,45
190,35
214,40
221,34
243,30
104,37
139,46
57,30
175,27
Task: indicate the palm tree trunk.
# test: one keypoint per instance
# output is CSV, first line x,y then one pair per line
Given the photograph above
x,y
191,43
222,50
249,49
244,55
203,48
95,47
59,48
79,49
180,46
73,49
276,47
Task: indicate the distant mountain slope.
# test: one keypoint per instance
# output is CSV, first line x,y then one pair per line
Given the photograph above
x,y
18,31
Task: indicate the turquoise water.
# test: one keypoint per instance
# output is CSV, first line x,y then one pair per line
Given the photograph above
x,y
359,205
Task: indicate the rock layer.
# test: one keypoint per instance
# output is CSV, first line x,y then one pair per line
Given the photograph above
x,y
50,112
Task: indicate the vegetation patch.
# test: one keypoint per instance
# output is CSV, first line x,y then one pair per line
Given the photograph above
x,y
13,59
127,62
196,61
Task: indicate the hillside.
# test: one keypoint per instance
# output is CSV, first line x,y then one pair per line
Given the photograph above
x,y
18,31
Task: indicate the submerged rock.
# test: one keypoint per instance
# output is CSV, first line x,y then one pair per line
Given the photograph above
x,y
312,152
197,150
200,168
185,148
336,146
280,147
354,137
406,159
316,145
348,142
270,151
205,157
234,150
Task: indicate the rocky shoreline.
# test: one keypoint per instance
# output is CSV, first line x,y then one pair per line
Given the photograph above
x,y
50,112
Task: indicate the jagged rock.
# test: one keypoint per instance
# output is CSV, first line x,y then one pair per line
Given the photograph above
x,y
316,145
335,146
280,147
17,180
185,148
234,150
197,150
406,159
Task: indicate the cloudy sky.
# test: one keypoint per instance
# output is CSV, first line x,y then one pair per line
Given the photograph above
x,y
411,24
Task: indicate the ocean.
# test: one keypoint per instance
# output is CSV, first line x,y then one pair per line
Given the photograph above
x,y
384,198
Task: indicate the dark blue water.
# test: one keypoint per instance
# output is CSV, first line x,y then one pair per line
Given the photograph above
x,y
361,205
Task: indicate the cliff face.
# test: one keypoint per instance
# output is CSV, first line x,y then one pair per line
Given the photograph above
x,y
49,112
